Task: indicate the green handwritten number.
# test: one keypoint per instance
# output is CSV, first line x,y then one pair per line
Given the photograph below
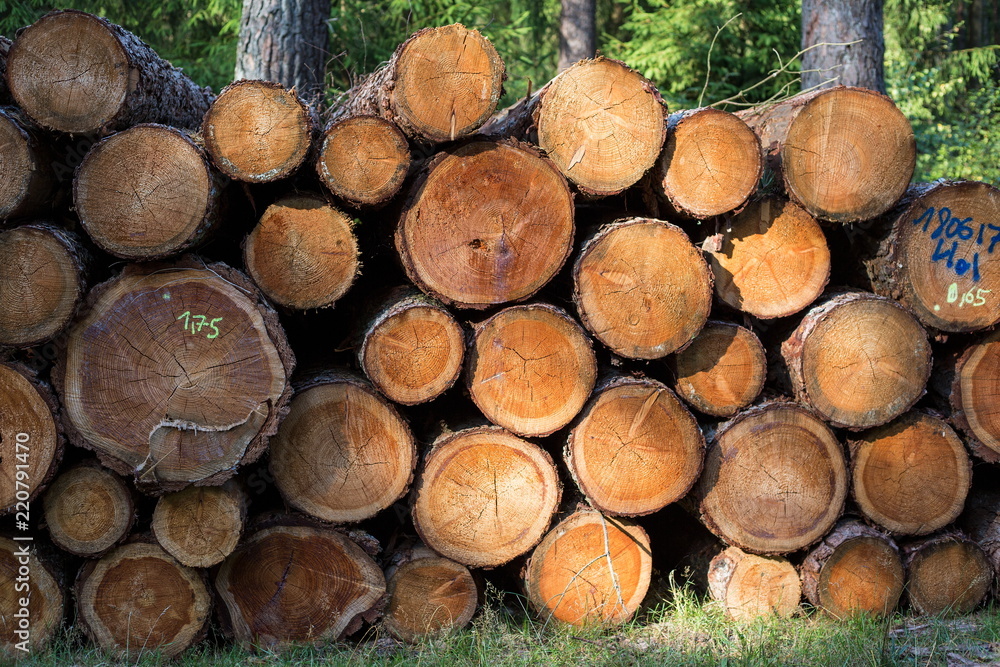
x,y
186,316
201,323
215,329
195,323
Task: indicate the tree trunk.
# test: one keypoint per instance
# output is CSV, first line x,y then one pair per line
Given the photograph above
x,y
840,22
971,394
28,187
635,448
89,510
487,223
830,356
577,31
28,629
751,587
303,253
201,525
285,41
74,72
642,288
946,574
363,160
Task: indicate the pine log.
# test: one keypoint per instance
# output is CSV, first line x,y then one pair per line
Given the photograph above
x,y
602,124
858,359
147,193
343,453
441,84
844,154
910,476
971,394
201,525
258,132
412,349
75,72
775,479
484,496
303,253
486,223
27,184
635,448
530,368
589,570
710,164
751,587
981,519
297,584
43,271
935,255
138,600
428,595
31,444
771,260
642,288
32,601
177,374
946,574
363,160
855,570
88,510
722,371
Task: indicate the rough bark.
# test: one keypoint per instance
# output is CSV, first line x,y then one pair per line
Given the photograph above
x,y
88,510
840,22
201,525
28,187
43,592
750,586
5,45
946,574
363,160
577,31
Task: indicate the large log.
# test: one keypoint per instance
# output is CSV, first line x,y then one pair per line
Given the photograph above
x,y
974,375
27,184
75,72
363,160
946,574
32,601
211,361
751,586
201,525
88,510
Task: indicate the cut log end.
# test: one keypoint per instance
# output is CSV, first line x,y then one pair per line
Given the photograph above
x,y
27,185
973,396
46,602
88,510
751,587
947,574
429,597
363,160
200,525
28,436
722,371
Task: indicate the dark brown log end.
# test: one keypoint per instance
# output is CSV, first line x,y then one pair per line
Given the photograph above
x,y
722,371
947,574
46,602
751,587
88,510
973,392
363,160
429,596
200,525
27,184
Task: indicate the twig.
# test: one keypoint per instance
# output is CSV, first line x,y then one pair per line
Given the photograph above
x,y
708,71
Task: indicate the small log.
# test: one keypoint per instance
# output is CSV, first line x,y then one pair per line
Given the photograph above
x,y
43,272
343,453
858,359
363,160
32,601
635,448
946,574
971,394
211,360
751,587
710,164
303,253
775,479
27,184
722,371
486,223
981,519
589,570
201,525
855,570
258,132
138,600
441,84
530,369
412,349
910,476
88,510
297,584
484,496
771,260
844,154
642,288
602,124
75,72
147,193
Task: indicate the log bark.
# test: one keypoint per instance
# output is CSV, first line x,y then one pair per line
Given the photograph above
x,y
946,574
43,280
642,288
589,570
530,369
635,448
974,383
859,360
441,84
5,44
751,587
771,260
843,154
412,349
842,41
486,223
484,496
201,525
27,184
722,371
40,588
258,132
78,73
212,361
303,253
600,122
147,193
343,453
855,570
363,160
89,510
775,479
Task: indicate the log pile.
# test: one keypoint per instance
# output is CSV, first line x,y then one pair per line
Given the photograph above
x,y
318,379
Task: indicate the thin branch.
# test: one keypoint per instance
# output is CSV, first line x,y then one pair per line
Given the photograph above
x,y
711,47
